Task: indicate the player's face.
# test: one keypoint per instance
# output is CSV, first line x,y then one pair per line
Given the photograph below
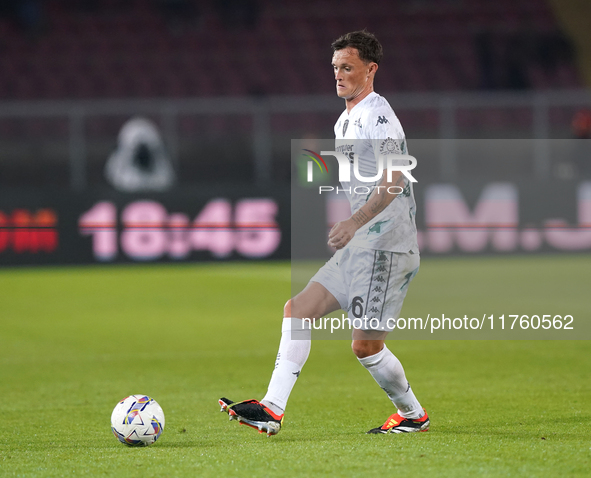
x,y
351,73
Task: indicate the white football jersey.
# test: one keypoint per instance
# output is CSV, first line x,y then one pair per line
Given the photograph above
x,y
369,130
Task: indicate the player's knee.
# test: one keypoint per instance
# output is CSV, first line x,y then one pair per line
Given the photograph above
x,y
287,309
359,349
366,348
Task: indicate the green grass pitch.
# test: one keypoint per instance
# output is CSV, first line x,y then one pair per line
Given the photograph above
x,y
73,341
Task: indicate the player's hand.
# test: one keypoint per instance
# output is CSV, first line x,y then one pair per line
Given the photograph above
x,y
341,233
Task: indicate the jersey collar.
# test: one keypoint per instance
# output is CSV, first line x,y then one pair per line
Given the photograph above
x,y
371,95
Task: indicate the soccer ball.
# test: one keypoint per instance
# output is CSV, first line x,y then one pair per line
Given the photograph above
x,y
137,420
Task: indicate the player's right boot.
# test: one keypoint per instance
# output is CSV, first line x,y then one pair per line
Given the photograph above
x,y
398,424
254,414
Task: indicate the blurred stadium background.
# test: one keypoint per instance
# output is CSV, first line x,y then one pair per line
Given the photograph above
x,y
228,84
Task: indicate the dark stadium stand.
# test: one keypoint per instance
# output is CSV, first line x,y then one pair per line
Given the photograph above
x,y
144,48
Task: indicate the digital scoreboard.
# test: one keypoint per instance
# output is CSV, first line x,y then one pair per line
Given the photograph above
x,y
67,228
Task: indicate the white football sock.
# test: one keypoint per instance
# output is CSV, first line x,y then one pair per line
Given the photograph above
x,y
292,355
387,370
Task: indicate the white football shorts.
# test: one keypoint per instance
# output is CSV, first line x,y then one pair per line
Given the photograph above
x,y
369,283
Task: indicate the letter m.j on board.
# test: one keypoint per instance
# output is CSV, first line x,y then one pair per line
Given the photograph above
x,y
494,218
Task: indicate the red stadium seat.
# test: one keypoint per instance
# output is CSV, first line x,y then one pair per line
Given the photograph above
x,y
131,48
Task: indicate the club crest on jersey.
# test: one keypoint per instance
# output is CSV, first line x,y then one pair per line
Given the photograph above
x,y
345,124
382,120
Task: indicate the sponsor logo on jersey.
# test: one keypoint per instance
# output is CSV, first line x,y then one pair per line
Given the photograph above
x,y
382,120
347,150
344,148
358,123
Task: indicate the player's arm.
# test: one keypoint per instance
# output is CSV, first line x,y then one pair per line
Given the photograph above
x,y
342,232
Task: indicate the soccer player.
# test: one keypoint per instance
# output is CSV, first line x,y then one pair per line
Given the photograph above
x,y
377,254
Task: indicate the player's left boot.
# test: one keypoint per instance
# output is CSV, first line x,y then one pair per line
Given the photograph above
x,y
254,414
398,424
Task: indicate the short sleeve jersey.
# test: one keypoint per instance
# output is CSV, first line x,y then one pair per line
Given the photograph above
x,y
376,131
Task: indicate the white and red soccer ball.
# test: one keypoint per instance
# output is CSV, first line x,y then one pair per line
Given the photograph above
x,y
137,420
